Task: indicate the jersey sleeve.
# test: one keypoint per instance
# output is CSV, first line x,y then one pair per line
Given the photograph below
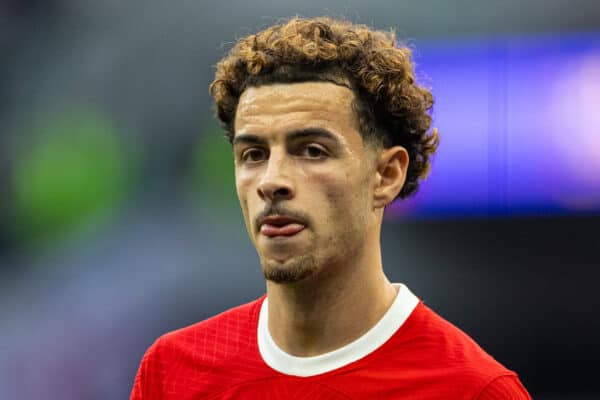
x,y
146,383
136,391
507,387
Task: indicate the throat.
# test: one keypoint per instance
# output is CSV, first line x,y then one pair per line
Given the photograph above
x,y
322,324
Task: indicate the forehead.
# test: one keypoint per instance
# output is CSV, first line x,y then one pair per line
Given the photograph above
x,y
284,107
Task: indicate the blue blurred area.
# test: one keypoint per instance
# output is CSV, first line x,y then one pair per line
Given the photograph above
x,y
119,222
519,124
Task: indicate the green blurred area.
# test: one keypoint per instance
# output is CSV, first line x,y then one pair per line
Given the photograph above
x,y
211,177
73,171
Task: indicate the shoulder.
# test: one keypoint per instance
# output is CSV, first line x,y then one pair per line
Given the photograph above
x,y
214,339
190,354
231,328
444,352
235,320
504,387
449,341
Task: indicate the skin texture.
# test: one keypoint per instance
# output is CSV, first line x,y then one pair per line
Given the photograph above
x,y
299,153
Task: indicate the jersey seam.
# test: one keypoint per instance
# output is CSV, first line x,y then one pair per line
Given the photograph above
x,y
492,380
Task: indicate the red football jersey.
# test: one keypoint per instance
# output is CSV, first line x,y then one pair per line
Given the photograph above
x,y
411,353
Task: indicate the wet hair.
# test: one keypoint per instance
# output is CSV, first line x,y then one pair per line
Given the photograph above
x,y
391,108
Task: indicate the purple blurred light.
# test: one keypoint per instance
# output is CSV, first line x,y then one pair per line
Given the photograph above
x,y
519,122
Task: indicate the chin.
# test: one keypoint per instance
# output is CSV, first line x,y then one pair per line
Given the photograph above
x,y
292,270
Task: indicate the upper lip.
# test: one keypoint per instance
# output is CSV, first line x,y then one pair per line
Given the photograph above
x,y
278,220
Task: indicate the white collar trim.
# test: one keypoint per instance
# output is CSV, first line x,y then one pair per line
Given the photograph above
x,y
383,330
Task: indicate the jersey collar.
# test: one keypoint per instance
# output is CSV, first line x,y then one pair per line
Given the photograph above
x,y
384,329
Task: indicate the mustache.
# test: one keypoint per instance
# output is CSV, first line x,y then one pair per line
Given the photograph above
x,y
278,210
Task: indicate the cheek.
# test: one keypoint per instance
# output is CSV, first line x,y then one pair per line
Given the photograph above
x,y
243,186
243,182
338,192
347,195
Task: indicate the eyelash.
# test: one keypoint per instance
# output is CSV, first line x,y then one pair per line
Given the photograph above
x,y
322,151
245,156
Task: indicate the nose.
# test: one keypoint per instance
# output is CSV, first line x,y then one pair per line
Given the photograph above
x,y
276,183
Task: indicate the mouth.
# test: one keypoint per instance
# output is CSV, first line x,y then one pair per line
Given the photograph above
x,y
275,226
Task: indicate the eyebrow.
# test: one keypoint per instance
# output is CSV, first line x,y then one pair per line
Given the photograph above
x,y
248,138
294,135
312,133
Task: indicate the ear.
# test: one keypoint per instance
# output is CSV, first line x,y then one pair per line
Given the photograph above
x,y
392,165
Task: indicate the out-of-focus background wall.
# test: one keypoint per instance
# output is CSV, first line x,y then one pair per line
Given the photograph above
x,y
118,216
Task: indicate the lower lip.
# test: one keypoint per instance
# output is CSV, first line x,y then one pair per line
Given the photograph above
x,y
285,231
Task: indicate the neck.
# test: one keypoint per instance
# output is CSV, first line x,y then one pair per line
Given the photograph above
x,y
324,313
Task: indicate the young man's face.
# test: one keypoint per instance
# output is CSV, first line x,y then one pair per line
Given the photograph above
x,y
304,177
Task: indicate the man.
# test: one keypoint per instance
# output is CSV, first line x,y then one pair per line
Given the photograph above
x,y
328,127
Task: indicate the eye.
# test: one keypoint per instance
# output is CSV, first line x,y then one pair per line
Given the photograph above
x,y
253,154
313,151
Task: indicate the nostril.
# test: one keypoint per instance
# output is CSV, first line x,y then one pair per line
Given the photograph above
x,y
281,192
273,190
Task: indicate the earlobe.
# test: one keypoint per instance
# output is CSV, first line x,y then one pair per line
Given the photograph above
x,y
391,174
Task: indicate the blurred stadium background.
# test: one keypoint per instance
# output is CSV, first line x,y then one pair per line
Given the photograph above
x,y
118,216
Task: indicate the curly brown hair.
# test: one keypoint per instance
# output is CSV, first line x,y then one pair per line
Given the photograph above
x,y
391,108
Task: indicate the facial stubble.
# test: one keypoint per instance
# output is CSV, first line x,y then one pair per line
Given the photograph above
x,y
292,270
322,256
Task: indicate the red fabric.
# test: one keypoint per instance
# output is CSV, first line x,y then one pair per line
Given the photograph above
x,y
427,358
504,387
